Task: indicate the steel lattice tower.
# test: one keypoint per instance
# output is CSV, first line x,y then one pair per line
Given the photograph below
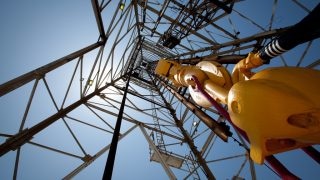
x,y
185,139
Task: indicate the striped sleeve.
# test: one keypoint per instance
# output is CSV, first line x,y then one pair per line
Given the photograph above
x,y
273,49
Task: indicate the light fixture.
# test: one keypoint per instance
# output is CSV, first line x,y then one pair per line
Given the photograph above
x,y
90,82
194,123
122,5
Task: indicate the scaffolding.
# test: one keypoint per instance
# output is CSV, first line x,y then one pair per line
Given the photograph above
x,y
80,95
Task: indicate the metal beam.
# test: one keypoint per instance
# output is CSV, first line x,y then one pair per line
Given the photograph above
x,y
222,5
140,96
209,22
136,122
93,158
24,136
187,138
206,119
237,42
97,14
39,72
172,21
137,18
156,32
153,146
226,59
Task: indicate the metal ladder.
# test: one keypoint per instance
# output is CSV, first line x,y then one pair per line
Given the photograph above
x,y
191,164
159,136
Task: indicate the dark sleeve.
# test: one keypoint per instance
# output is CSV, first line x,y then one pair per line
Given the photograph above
x,y
306,30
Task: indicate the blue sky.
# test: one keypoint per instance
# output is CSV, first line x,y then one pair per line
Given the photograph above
x,y
35,32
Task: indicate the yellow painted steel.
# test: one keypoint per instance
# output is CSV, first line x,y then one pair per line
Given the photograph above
x,y
278,108
212,74
163,67
242,70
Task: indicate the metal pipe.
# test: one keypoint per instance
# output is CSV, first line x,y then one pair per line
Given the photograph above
x,y
114,143
220,109
206,119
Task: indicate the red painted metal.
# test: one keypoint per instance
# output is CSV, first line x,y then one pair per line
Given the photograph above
x,y
313,153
